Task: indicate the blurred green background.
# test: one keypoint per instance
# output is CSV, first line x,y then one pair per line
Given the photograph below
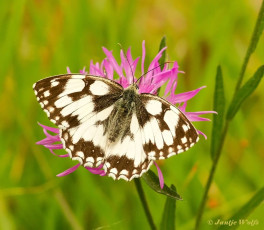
x,y
41,38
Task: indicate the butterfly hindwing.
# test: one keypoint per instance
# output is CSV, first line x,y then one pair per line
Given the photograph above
x,y
166,129
126,157
124,168
158,130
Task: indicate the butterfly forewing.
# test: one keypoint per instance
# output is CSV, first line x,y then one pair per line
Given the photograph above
x,y
71,97
77,104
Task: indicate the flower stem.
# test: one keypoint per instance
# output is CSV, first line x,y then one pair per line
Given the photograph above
x,y
144,203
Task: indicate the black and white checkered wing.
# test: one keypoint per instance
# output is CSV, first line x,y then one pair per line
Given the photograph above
x,y
126,157
101,123
165,129
77,104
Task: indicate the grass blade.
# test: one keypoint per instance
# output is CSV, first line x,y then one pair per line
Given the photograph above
x,y
244,92
168,217
219,107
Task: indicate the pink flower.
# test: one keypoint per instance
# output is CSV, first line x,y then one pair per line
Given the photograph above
x,y
155,77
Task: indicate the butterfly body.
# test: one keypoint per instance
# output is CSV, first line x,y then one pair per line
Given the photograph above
x,y
102,123
120,118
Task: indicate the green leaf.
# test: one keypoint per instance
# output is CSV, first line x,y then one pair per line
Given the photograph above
x,y
246,210
162,59
219,107
162,45
168,217
257,30
259,26
244,92
153,182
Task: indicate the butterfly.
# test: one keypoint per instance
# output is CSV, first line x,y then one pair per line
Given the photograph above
x,y
100,122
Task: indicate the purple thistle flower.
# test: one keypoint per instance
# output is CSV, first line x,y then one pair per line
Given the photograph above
x,y
156,77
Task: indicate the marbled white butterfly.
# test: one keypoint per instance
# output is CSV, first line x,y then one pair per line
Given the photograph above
x,y
102,123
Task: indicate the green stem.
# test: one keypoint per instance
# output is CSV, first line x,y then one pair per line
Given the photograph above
x,y
253,44
144,203
211,176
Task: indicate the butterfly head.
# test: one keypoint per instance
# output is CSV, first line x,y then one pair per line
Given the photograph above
x,y
131,92
134,86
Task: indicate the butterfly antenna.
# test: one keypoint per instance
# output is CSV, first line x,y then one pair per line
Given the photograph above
x,y
167,62
127,61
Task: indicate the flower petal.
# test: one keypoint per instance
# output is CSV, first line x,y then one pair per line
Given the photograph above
x,y
171,86
153,64
182,97
158,80
62,155
200,132
108,68
127,68
48,140
54,130
113,62
161,178
194,116
82,71
58,146
96,171
95,69
68,171
134,65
